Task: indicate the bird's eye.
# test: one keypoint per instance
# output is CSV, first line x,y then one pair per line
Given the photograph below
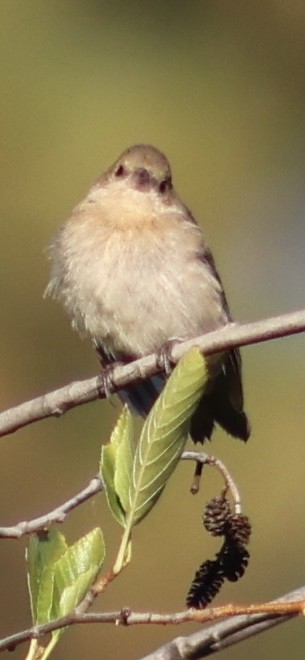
x,y
166,184
120,171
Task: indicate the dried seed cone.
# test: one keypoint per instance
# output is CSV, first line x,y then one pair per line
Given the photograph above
x,y
238,528
216,514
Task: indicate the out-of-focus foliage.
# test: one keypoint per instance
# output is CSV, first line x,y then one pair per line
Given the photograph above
x,y
220,87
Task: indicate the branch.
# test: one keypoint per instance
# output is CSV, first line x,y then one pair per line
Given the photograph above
x,y
230,485
59,401
278,611
96,485
224,634
57,515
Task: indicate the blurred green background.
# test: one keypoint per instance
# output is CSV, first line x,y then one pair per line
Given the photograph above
x,y
220,88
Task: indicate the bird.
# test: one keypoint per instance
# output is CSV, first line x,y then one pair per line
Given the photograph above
x,y
134,272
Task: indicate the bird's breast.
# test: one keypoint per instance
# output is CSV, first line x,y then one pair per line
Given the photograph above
x,y
133,288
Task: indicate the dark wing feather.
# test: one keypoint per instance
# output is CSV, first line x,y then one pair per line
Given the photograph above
x,y
224,402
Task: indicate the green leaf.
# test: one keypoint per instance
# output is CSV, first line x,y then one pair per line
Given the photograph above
x,y
164,434
124,460
42,552
59,576
107,473
74,594
83,557
75,571
116,465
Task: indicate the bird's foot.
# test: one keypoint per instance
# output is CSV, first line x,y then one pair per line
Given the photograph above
x,y
107,385
164,358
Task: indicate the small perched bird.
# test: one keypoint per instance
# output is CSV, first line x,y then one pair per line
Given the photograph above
x,y
133,271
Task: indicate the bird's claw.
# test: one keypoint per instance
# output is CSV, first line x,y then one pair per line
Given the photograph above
x,y
107,385
164,359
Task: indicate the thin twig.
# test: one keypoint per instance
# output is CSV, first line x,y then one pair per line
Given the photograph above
x,y
286,607
57,515
230,484
59,401
95,486
223,634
